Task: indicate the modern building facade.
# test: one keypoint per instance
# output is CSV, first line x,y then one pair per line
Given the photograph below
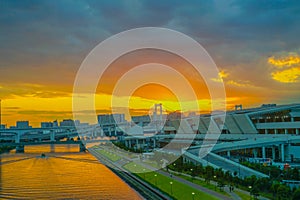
x,y
46,124
2,126
67,122
109,123
111,119
267,134
267,119
142,120
22,124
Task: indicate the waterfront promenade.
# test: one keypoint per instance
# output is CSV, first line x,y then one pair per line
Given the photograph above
x,y
195,191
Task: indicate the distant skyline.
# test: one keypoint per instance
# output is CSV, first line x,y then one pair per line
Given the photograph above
x,y
255,45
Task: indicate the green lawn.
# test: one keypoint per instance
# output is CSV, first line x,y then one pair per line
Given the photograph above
x,y
120,152
176,190
204,184
111,156
152,164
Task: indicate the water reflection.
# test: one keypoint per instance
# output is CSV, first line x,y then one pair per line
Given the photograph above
x,y
63,174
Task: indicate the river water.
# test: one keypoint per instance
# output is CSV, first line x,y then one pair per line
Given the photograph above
x,y
62,174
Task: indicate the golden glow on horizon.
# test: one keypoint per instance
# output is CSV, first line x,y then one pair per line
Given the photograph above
x,y
36,109
38,102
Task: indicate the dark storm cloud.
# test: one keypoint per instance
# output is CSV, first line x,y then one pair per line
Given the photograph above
x,y
52,27
53,37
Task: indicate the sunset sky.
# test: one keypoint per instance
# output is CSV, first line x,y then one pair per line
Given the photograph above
x,y
255,44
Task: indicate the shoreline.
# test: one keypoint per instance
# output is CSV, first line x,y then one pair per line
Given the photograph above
x,y
144,190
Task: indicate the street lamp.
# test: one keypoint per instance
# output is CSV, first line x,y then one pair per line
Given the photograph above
x,y
171,183
215,178
155,175
193,195
250,187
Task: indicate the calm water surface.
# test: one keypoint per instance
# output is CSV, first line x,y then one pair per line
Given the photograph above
x,y
63,174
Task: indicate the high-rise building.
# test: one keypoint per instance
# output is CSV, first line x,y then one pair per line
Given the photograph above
x,y
111,119
46,124
23,124
67,122
55,123
0,113
109,123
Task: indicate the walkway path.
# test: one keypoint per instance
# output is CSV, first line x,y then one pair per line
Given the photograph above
x,y
196,186
226,188
232,194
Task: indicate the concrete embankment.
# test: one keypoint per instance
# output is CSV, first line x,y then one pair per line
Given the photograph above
x,y
143,188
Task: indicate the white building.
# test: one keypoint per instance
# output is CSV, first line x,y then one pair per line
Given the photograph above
x,y
269,133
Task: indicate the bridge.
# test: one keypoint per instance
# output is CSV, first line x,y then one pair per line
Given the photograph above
x,y
54,135
20,146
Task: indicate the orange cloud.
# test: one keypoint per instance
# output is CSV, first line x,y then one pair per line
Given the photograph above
x,y
238,84
291,71
287,76
222,74
284,62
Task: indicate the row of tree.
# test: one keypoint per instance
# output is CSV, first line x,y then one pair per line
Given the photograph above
x,y
6,148
275,172
272,186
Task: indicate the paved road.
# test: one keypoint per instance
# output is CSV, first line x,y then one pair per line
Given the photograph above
x,y
232,194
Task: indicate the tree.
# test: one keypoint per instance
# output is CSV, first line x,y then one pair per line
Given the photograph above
x,y
221,185
193,173
228,177
220,173
209,173
249,180
254,192
263,184
283,192
199,169
274,188
295,174
296,194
